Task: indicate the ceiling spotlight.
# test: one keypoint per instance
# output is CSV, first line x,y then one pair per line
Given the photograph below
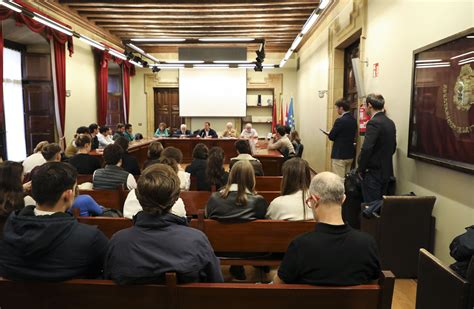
x,y
145,64
155,69
137,59
258,67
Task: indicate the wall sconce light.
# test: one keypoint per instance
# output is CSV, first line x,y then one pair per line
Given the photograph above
x,y
321,93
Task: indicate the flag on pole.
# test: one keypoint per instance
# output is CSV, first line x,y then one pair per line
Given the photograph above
x,y
281,112
286,114
291,115
274,116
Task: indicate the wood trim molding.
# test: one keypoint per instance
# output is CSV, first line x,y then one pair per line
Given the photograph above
x,y
338,39
154,81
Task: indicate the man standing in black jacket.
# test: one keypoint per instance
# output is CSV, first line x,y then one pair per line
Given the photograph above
x,y
343,134
375,159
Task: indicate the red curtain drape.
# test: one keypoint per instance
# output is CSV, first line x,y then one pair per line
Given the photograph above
x,y
60,65
103,79
128,70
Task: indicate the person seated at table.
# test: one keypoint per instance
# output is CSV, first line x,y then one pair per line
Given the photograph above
x,y
83,161
182,131
282,143
244,153
93,131
129,162
177,155
132,206
119,131
104,137
162,130
333,254
296,141
128,133
229,130
160,242
216,175
249,132
87,206
71,149
43,243
198,166
290,205
34,159
153,155
207,131
112,175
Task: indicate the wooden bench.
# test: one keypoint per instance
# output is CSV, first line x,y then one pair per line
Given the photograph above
x,y
109,226
262,183
194,201
440,287
82,178
99,294
108,198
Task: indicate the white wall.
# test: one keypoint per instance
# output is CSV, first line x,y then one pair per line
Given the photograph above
x,y
394,30
81,80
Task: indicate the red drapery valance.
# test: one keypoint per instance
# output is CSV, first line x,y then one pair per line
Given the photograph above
x,y
57,41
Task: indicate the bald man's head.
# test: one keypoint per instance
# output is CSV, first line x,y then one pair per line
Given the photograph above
x,y
329,187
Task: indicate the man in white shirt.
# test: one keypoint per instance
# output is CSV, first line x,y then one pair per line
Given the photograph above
x,y
103,137
249,132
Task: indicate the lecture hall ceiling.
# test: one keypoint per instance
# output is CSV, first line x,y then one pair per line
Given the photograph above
x,y
277,21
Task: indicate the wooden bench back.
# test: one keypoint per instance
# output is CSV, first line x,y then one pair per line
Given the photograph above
x,y
194,201
108,198
439,286
81,178
268,183
99,294
109,226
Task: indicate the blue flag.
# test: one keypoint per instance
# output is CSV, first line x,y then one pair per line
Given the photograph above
x,y
291,115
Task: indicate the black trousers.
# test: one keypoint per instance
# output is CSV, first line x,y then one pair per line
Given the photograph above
x,y
374,186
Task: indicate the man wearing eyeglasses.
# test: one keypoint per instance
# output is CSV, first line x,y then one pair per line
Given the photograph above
x,y
334,253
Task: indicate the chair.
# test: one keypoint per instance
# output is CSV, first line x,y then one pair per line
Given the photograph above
x,y
404,226
440,287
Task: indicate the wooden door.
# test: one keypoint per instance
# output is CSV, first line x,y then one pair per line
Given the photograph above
x,y
38,99
350,88
167,107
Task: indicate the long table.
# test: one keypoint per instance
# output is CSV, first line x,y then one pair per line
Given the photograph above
x,y
272,160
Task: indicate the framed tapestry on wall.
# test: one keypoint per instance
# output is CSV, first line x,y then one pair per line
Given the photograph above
x,y
442,103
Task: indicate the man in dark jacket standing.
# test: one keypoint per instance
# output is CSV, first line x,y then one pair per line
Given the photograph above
x,y
343,134
375,159
44,243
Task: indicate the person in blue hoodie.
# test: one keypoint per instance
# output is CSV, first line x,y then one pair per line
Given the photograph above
x,y
160,242
43,243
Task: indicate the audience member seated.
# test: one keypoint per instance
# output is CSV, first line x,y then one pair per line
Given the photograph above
x,y
160,242
282,143
104,137
34,160
153,154
177,155
129,162
462,250
71,149
182,132
229,130
198,166
83,161
207,131
112,175
129,132
294,191
162,130
249,132
87,206
334,253
42,242
216,175
296,141
244,153
51,152
93,131
119,131
237,201
132,206
11,189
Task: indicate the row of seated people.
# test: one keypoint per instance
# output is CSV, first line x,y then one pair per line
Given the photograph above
x,y
42,242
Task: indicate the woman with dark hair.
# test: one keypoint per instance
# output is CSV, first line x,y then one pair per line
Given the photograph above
x,y
11,188
129,162
82,160
215,172
162,130
198,166
153,154
294,190
296,141
177,155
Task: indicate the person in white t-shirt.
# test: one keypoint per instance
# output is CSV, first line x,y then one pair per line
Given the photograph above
x,y
249,132
104,137
291,205
34,160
